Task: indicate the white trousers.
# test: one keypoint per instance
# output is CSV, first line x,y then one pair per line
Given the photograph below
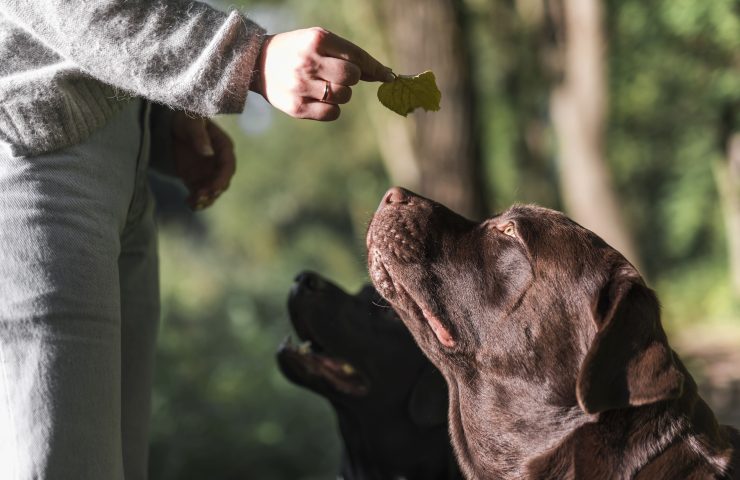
x,y
79,307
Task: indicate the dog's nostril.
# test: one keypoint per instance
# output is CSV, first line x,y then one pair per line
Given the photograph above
x,y
395,195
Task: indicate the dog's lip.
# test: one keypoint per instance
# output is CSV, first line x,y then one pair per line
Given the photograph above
x,y
341,374
439,329
418,307
313,358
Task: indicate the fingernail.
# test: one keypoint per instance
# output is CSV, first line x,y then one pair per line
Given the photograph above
x,y
389,76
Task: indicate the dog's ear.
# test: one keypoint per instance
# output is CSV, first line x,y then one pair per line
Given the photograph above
x,y
428,401
629,362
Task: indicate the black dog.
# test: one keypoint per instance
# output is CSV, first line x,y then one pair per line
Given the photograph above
x,y
391,403
551,345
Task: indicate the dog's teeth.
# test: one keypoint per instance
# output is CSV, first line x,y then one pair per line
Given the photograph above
x,y
304,347
348,369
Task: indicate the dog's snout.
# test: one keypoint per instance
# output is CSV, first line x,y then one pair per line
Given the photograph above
x,y
394,196
309,281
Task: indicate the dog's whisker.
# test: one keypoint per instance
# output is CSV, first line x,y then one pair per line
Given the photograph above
x,y
379,305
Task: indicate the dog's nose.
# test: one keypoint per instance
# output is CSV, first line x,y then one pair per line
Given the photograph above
x,y
394,196
309,280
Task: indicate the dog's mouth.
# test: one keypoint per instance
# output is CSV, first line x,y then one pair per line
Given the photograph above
x,y
393,290
307,362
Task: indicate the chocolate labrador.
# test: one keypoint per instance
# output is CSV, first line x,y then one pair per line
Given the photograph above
x,y
390,401
551,345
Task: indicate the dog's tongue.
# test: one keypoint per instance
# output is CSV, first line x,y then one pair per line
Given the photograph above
x,y
443,335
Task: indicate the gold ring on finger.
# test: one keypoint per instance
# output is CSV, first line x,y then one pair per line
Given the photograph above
x,y
326,91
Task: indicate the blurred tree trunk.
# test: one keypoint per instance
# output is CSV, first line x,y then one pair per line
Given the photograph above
x,y
579,109
431,35
727,176
521,35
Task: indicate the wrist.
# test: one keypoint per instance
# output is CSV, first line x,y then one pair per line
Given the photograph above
x,y
257,82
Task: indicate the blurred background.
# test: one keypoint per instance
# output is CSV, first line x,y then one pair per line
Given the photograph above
x,y
623,113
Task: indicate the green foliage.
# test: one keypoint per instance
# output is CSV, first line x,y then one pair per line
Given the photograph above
x,y
673,70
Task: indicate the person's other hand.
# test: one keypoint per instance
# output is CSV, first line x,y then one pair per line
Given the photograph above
x,y
308,73
204,158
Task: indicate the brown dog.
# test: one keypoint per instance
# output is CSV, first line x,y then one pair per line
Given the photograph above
x,y
551,345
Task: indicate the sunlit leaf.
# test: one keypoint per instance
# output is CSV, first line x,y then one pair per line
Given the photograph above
x,y
407,93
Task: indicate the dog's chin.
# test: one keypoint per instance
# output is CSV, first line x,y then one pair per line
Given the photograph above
x,y
407,298
306,365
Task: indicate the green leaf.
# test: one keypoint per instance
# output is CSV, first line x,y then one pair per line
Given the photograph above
x,y
407,93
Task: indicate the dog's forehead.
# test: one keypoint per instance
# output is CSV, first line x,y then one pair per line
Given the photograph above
x,y
537,222
551,234
534,213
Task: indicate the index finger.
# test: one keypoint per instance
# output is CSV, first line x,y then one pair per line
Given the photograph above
x,y
372,70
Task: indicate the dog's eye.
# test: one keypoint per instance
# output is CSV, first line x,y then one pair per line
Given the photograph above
x,y
510,230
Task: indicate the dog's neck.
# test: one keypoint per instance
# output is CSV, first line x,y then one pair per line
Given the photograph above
x,y
564,442
359,460
502,448
375,449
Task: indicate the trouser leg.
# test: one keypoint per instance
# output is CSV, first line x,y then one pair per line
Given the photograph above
x,y
139,279
61,220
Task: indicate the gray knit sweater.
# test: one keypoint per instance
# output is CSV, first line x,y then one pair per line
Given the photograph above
x,y
66,66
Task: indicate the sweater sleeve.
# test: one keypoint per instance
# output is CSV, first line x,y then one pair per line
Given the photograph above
x,y
181,53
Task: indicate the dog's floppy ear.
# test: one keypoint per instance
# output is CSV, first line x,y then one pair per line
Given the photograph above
x,y
428,401
629,362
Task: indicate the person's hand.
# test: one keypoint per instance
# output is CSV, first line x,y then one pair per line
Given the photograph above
x,y
308,73
204,158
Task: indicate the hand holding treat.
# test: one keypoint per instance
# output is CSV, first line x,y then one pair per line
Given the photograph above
x,y
309,73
